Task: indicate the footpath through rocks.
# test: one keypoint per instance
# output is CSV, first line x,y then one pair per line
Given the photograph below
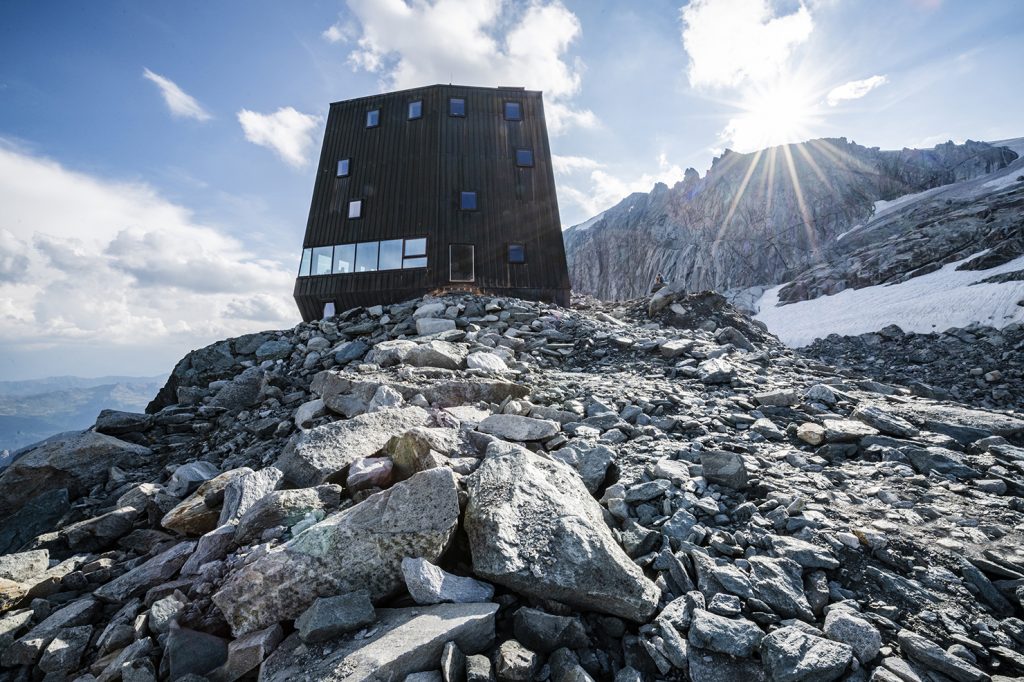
x,y
468,488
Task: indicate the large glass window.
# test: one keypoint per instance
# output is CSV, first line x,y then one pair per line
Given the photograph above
x,y
524,158
307,258
461,260
456,106
516,253
415,109
344,259
373,118
513,111
323,259
355,209
366,256
467,201
343,167
390,255
415,253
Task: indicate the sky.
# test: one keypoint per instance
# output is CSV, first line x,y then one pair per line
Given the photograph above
x,y
157,159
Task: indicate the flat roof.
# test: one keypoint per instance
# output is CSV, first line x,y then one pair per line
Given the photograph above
x,y
502,88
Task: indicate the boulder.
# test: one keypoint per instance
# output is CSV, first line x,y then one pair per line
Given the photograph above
x,y
245,490
779,584
849,628
190,651
64,651
791,654
885,422
38,515
193,516
283,508
486,362
436,353
429,584
420,449
427,326
247,653
534,527
149,574
736,637
118,423
390,353
359,548
26,649
545,632
324,450
932,656
516,428
241,392
401,642
24,565
74,461
514,662
724,468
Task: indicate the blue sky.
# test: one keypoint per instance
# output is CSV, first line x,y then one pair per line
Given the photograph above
x,y
157,159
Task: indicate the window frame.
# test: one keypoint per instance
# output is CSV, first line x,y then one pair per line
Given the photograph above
x,y
376,262
504,110
348,167
306,262
376,123
451,102
451,263
508,253
330,268
532,158
359,209
407,256
408,110
337,256
380,253
462,200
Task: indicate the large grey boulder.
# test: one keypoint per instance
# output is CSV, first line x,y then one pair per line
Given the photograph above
x,y
932,656
779,584
736,637
517,428
241,392
443,354
359,548
24,565
74,461
401,642
329,448
791,654
533,527
724,468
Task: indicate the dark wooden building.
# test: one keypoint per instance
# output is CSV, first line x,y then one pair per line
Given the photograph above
x,y
433,189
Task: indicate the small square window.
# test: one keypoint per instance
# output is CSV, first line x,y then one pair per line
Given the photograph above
x,y
343,165
524,158
373,118
355,208
415,109
516,253
513,111
456,106
467,201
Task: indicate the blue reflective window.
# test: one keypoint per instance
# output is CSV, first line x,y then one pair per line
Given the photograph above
x,y
456,106
343,168
467,201
344,259
513,111
416,247
524,158
390,255
307,258
415,109
516,253
355,209
373,118
323,259
366,256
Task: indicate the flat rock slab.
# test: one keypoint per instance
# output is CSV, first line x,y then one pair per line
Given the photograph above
x,y
403,642
961,423
517,428
533,527
359,548
327,449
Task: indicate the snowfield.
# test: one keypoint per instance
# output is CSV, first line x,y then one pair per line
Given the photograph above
x,y
929,303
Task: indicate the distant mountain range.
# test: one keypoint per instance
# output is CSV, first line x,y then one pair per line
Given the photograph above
x,y
35,409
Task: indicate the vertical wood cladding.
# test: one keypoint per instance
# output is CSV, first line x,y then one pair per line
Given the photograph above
x,y
409,175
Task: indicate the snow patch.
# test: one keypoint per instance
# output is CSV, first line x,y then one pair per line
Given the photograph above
x,y
1006,180
929,303
882,207
587,224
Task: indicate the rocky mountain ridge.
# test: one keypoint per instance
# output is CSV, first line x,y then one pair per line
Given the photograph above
x,y
470,488
760,218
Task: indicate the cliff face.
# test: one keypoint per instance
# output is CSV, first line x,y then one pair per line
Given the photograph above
x,y
756,218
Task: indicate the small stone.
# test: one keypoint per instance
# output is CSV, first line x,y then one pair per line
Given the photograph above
x,y
791,654
514,662
329,617
724,468
428,584
369,472
811,433
846,627
544,632
738,637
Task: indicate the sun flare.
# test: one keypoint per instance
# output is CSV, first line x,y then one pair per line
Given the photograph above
x,y
781,113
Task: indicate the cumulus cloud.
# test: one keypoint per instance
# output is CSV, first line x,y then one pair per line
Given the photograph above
x,y
854,89
180,103
287,131
605,189
572,164
473,42
732,42
114,264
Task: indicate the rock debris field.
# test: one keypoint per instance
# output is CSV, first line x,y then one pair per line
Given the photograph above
x,y
469,488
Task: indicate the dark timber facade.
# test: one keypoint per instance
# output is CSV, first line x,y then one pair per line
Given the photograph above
x,y
433,189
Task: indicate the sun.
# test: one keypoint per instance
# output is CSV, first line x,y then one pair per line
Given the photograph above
x,y
783,112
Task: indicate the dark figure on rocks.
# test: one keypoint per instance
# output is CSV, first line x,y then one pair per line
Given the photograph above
x,y
659,283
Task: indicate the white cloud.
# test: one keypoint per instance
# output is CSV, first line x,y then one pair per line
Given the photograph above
x,y
606,190
115,264
571,164
854,89
732,42
178,101
287,131
474,42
